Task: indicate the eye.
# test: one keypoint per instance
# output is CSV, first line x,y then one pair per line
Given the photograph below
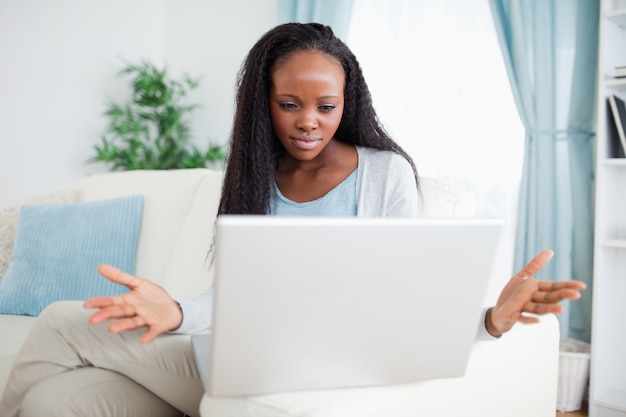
x,y
287,105
326,108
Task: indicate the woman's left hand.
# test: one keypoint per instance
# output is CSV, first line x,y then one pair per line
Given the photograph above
x,y
524,294
145,305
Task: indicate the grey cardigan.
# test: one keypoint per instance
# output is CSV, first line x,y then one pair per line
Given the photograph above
x,y
385,185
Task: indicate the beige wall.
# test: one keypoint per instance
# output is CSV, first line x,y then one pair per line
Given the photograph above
x,y
58,65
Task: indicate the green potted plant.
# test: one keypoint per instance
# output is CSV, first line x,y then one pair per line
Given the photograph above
x,y
151,131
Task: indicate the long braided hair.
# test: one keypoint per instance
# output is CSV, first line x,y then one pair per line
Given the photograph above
x,y
254,147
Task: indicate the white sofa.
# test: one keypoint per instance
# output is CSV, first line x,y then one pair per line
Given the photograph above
x,y
513,376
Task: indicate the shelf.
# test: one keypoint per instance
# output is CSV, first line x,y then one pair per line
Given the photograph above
x,y
615,244
615,162
615,83
617,16
613,399
607,383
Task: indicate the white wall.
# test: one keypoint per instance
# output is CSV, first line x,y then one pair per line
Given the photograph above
x,y
58,66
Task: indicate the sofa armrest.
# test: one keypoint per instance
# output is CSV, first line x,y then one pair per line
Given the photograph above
x,y
514,376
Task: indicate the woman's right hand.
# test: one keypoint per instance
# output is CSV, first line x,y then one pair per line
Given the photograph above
x,y
145,305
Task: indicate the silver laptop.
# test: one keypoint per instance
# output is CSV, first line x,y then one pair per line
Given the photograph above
x,y
315,303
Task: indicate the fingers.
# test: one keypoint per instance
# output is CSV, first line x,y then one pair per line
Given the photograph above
x,y
150,335
540,309
101,302
538,262
524,319
134,323
127,324
127,321
118,276
111,311
554,296
561,285
544,302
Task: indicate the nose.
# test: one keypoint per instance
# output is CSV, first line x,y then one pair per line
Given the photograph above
x,y
306,121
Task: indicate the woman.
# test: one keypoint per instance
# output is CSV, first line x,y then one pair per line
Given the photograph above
x,y
305,141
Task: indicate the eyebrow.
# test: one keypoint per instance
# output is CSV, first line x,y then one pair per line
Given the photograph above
x,y
295,96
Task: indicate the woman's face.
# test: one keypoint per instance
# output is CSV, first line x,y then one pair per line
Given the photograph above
x,y
306,103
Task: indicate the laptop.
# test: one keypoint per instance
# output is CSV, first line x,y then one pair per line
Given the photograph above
x,y
306,303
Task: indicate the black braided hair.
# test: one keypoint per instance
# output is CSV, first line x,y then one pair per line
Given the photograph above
x,y
254,147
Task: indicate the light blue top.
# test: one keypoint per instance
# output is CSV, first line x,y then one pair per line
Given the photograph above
x,y
338,202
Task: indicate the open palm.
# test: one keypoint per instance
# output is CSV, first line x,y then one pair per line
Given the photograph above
x,y
145,305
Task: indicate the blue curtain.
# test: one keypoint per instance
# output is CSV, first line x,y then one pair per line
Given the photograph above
x,y
334,13
550,49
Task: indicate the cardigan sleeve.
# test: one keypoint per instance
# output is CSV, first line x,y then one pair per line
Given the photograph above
x,y
386,185
197,313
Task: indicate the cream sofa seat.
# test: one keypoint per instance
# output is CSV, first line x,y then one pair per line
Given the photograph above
x,y
514,376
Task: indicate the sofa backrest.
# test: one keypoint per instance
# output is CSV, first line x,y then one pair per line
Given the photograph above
x,y
180,207
177,225
445,199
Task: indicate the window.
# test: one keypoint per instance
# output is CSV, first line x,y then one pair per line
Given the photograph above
x,y
440,87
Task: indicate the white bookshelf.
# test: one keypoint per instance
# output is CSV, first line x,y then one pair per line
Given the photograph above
x,y
607,396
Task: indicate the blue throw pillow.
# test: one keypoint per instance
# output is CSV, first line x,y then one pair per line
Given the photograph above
x,y
58,248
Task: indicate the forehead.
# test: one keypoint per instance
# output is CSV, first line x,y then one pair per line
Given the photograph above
x,y
304,65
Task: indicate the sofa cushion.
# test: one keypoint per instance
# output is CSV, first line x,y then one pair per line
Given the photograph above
x,y
190,261
58,248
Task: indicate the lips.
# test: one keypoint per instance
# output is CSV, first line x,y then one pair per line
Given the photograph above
x,y
305,142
